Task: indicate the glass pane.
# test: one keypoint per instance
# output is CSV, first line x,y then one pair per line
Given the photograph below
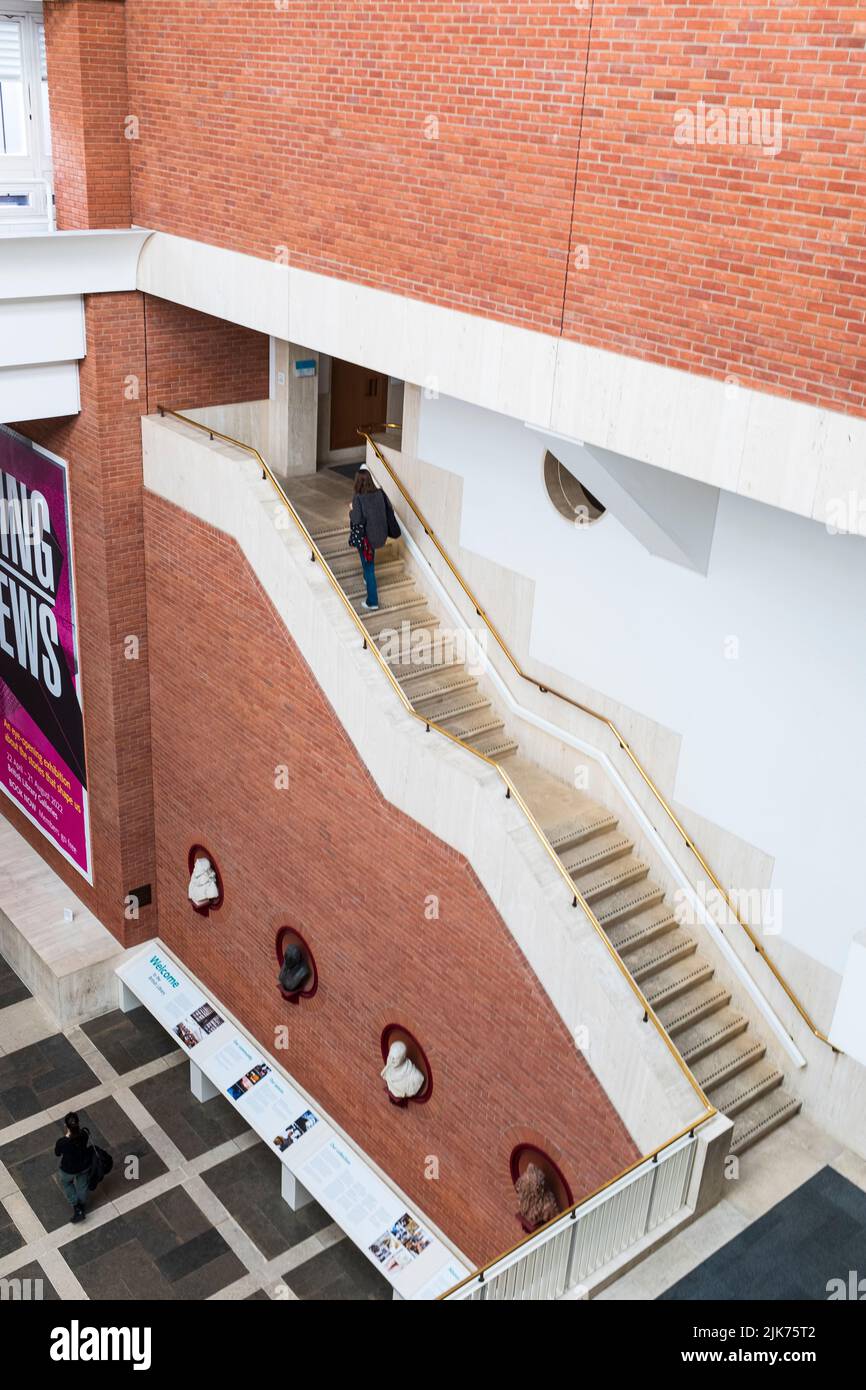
x,y
43,74
13,126
46,122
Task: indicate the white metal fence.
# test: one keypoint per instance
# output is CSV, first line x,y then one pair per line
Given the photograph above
x,y
568,1252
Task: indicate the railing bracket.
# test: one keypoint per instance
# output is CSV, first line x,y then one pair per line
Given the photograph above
x,y
574,901
646,1016
507,793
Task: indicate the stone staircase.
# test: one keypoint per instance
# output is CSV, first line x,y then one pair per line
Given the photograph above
x,y
715,1040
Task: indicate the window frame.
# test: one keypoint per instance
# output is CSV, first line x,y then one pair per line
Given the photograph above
x,y
30,173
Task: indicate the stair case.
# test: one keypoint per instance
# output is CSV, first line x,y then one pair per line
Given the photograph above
x,y
715,1040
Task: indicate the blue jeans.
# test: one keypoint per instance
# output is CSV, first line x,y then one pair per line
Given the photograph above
x,y
75,1187
369,569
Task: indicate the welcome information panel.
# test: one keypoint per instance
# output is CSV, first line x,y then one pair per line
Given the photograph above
x,y
413,1260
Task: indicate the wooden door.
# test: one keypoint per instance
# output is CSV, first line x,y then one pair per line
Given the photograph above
x,y
359,398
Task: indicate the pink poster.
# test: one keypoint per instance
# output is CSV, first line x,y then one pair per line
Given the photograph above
x,y
42,765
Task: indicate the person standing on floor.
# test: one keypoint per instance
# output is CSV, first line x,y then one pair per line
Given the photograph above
x,y
371,522
76,1159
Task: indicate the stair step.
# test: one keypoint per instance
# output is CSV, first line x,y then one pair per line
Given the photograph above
x,y
435,687
428,669
495,746
395,587
595,820
715,1067
763,1116
348,567
677,980
697,1003
459,706
704,1036
601,883
629,902
647,960
396,609
643,927
400,633
732,1096
470,728
592,853
339,547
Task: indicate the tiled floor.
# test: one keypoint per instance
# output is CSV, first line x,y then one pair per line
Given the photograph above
x,y
34,1283
163,1249
194,1126
10,1236
40,1076
192,1208
248,1185
339,1273
129,1040
31,1162
12,990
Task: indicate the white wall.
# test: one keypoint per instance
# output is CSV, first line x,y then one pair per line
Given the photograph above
x,y
774,741
788,453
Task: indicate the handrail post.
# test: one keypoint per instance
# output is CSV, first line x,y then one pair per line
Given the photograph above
x,y
572,1247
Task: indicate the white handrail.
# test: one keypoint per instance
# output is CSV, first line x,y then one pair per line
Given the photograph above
x,y
565,1254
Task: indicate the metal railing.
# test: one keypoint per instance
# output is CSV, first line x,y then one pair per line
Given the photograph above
x,y
575,1245
511,791
603,719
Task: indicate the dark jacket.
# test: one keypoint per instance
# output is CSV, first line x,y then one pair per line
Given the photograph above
x,y
374,512
75,1154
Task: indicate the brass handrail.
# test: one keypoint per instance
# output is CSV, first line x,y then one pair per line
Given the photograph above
x,y
568,1213
512,792
603,719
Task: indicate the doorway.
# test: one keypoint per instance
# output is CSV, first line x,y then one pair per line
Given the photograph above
x,y
359,400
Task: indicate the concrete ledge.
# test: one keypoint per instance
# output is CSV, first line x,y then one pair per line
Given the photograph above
x,y
68,965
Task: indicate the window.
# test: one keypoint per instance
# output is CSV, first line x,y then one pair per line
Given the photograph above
x,y
569,496
13,112
25,126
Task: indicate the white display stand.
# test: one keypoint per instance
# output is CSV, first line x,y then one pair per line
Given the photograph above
x,y
294,1192
319,1163
201,1088
127,1000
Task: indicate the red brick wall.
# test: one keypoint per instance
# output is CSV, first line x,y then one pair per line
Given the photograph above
x,y
193,359
232,701
86,51
304,127
720,259
137,352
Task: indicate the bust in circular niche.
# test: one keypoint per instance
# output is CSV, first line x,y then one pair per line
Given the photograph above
x,y
536,1196
294,971
203,886
400,1074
